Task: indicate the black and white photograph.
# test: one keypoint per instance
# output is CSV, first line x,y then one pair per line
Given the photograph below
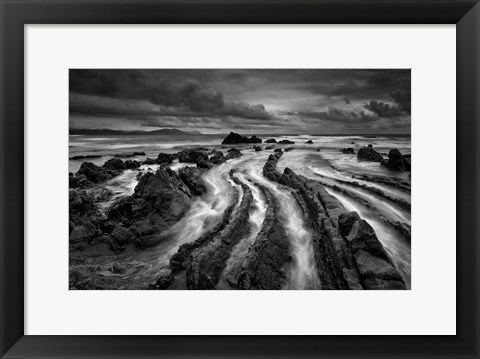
x,y
239,179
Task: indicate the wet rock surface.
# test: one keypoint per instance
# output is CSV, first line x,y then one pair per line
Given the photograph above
x,y
347,250
369,154
375,268
85,220
179,261
396,161
265,266
207,262
192,177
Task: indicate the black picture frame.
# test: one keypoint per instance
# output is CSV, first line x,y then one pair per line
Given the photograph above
x,y
15,14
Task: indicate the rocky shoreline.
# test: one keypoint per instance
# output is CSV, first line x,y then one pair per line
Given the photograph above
x,y
347,252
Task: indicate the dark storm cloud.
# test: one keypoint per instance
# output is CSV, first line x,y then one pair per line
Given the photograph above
x,y
187,94
403,99
300,101
383,109
337,115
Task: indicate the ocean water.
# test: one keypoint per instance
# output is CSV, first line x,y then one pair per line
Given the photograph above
x,y
322,160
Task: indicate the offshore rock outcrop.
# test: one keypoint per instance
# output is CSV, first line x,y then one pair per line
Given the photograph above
x,y
165,158
265,266
336,252
396,161
348,151
130,154
207,262
234,138
369,154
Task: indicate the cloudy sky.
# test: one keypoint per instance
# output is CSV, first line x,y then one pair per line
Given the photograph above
x,y
288,101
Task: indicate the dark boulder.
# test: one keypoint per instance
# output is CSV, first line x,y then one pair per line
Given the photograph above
x,y
309,142
396,161
115,164
164,158
150,161
270,147
271,140
217,157
375,268
192,177
78,181
92,172
129,164
278,150
348,151
160,200
257,148
288,149
255,139
369,154
165,192
204,163
191,156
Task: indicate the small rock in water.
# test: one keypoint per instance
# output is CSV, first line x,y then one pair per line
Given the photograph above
x,y
348,151
396,161
369,154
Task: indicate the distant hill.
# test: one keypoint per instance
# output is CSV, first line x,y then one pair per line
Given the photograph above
x,y
107,132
